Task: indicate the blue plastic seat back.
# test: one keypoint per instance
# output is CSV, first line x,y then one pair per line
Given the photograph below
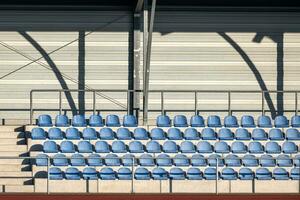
x,y
72,173
157,134
296,160
231,121
247,121
124,173
255,147
107,173
38,134
238,147
276,134
50,147
61,121
95,121
163,160
263,174
187,147
213,159
232,161
136,147
180,121
112,121
170,147
191,134
102,147
41,160
89,134
174,134
267,161
45,120
72,134
77,160
250,161
55,134
123,134
281,122
163,121
94,160
85,147
153,147
140,134
55,173
128,160
221,147
89,173
259,134
228,174
146,160
246,174
289,147
119,147
284,161
112,160
106,134
214,121
208,134
159,174
264,121
60,160
67,147
130,121
280,174
295,121
272,147
78,121
198,160
225,134
197,121
210,173
295,173
292,134
242,134
204,147
142,173
194,174
176,174
181,160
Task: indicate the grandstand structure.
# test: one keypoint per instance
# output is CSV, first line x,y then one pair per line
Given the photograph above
x,y
150,97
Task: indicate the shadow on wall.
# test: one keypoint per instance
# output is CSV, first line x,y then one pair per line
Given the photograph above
x,y
81,72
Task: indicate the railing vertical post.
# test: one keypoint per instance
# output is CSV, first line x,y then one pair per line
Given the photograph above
x,y
217,174
296,103
94,102
128,102
132,176
229,103
196,103
60,103
162,103
263,102
48,175
31,108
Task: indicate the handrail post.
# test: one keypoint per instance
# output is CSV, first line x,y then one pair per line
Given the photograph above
x,y
48,175
162,103
217,174
31,108
229,103
94,102
263,102
296,103
60,103
132,176
196,103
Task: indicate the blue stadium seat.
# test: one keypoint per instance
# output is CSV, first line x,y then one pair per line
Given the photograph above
x,y
123,134
214,121
118,147
159,174
231,121
112,160
60,160
42,160
264,121
170,147
272,148
78,121
180,121
50,147
232,161
263,174
281,122
89,173
284,161
140,134
94,160
225,134
210,173
198,160
289,147
250,161
197,121
128,160
267,161
212,160
96,121
295,173
194,174
153,147
246,174
208,134
55,173
157,134
72,173
295,121
72,134
247,121
238,147
61,120
112,121
163,160
296,160
55,134
106,134
191,134
38,134
130,121
174,134
44,120
146,160
77,160
280,174
163,121
276,134
89,134
67,147
255,147
242,134
176,173
228,174
259,134
204,147
124,173
181,160
136,147
221,147
187,147
107,173
142,173
102,147
85,147
292,134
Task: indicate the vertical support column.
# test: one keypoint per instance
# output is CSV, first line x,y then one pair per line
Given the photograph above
x,y
31,108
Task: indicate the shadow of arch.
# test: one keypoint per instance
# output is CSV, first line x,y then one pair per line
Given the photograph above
x,y
254,70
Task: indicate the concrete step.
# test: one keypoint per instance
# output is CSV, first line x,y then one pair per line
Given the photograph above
x,y
16,174
19,188
12,141
13,161
17,148
13,153
11,128
12,134
15,181
14,168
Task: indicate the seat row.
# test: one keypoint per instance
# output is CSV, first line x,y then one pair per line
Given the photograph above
x,y
170,147
124,173
159,134
181,160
